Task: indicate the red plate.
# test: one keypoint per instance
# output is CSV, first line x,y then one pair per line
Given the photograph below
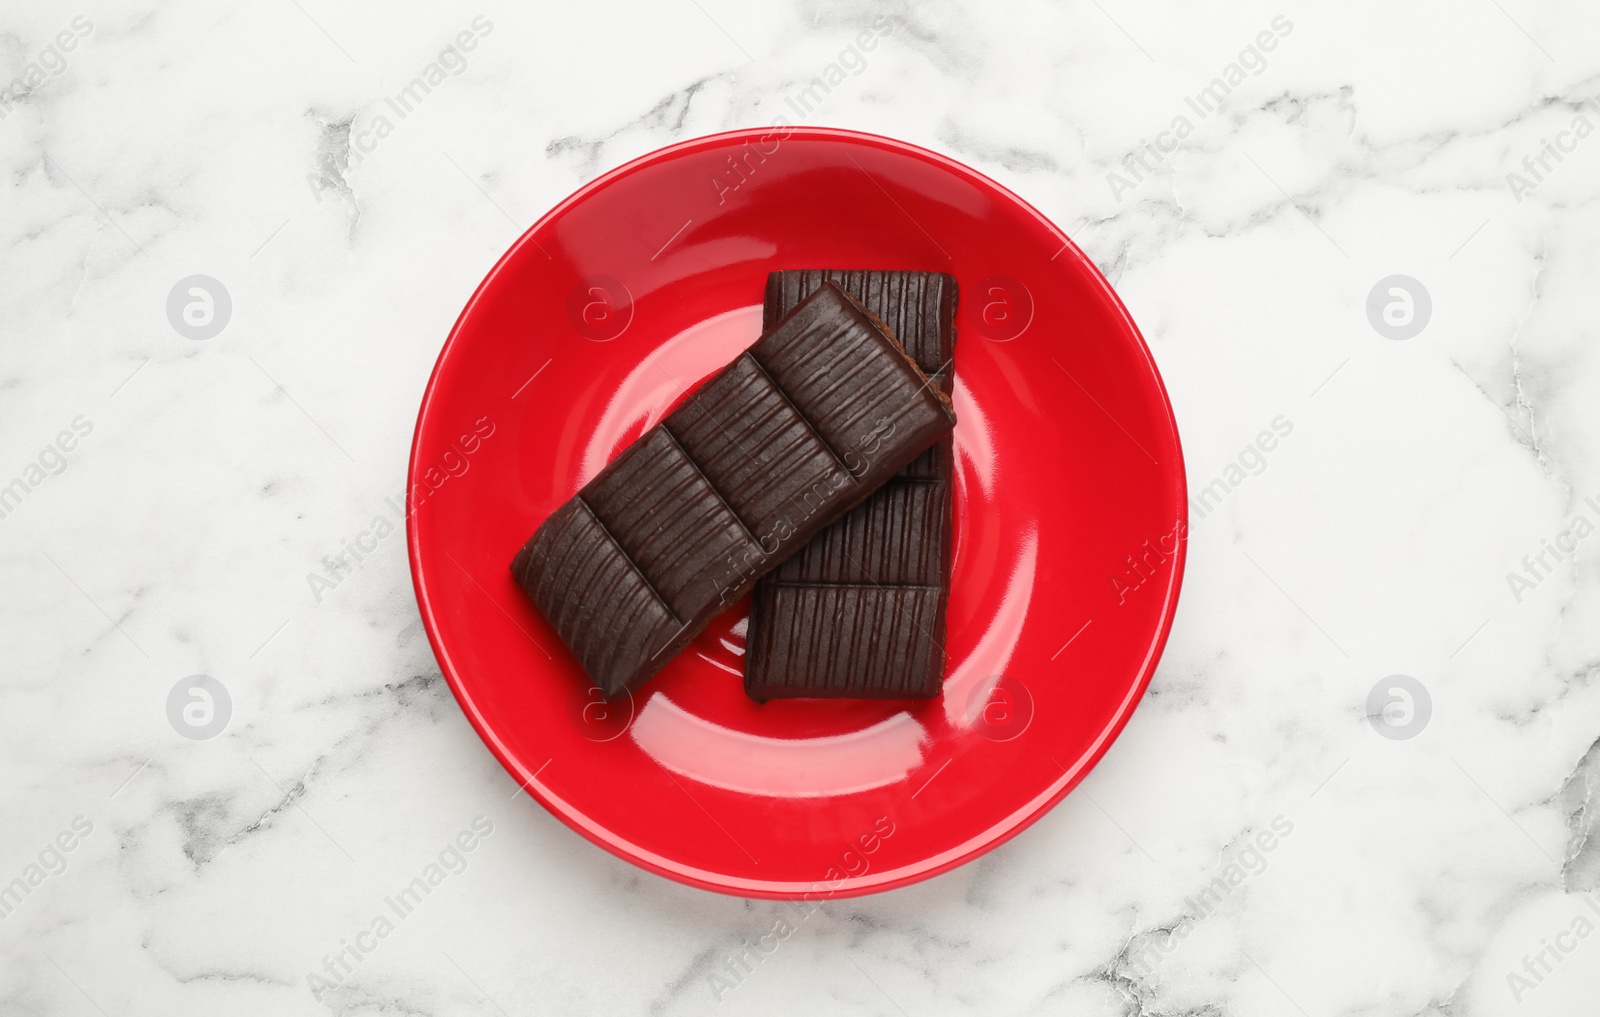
x,y
1069,508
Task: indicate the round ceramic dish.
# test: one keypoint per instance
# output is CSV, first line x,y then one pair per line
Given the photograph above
x,y
1069,512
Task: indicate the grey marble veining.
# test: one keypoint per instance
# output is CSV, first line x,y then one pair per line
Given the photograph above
x,y
1429,510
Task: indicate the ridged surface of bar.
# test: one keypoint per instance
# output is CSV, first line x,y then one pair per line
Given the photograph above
x,y
886,563
881,631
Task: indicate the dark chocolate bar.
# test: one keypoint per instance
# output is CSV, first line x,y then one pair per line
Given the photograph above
x,y
859,611
792,434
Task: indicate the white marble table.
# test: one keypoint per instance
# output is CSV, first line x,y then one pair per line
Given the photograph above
x,y
1246,174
